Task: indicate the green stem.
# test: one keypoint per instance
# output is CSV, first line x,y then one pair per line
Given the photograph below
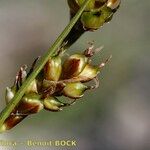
x,y
76,32
10,107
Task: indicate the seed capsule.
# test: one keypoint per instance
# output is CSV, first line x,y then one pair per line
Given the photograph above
x,y
88,73
30,103
96,13
11,121
32,87
74,66
53,68
53,104
74,90
94,20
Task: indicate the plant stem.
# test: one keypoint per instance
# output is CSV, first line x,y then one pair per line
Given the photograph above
x,y
14,102
76,32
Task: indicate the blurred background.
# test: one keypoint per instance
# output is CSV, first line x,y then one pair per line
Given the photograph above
x,y
116,116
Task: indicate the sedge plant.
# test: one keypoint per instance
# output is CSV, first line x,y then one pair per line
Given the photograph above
x,y
49,77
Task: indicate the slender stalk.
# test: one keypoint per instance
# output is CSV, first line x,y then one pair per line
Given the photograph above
x,y
76,32
13,103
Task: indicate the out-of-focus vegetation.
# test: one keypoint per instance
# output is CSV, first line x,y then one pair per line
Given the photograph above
x,y
116,115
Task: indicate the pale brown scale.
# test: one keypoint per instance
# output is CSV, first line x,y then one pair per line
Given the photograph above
x,y
71,69
13,120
